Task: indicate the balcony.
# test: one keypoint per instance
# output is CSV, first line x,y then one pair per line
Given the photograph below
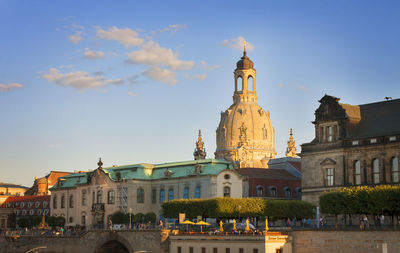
x,y
98,207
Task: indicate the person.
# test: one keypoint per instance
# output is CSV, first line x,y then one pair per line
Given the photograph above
x,y
294,222
288,222
382,221
309,222
366,224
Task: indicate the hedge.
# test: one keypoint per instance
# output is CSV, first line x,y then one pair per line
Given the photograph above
x,y
233,208
383,199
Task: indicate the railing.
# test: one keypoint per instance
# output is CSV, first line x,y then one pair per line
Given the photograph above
x,y
98,207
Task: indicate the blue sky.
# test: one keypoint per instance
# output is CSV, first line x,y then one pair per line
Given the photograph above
x,y
133,81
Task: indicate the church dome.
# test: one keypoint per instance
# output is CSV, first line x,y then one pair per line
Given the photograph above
x,y
244,62
245,134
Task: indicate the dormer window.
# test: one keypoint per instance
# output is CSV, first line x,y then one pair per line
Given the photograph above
x,y
330,134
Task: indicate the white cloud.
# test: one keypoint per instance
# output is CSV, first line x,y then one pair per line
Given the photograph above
x,y
9,87
76,37
131,93
163,75
200,77
124,36
78,80
208,67
69,66
171,28
237,43
116,81
152,54
89,54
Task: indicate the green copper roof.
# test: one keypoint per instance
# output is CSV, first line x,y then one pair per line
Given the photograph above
x,y
144,171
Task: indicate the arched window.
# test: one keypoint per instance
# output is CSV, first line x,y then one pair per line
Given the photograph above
x,y
111,197
260,191
162,195
71,219
93,197
227,191
140,195
84,198
171,194
83,220
239,84
375,165
197,192
250,82
273,191
186,192
55,202
357,172
395,169
288,192
71,201
99,196
298,192
63,201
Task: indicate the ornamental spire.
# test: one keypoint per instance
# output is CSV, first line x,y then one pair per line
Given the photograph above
x,y
291,149
244,48
100,163
199,152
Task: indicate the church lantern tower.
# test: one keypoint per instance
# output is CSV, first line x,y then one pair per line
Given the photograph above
x,y
245,134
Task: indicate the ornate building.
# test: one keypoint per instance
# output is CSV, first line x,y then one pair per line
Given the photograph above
x,y
245,135
353,145
89,198
291,149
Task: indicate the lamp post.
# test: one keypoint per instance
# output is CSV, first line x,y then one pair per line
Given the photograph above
x,y
130,218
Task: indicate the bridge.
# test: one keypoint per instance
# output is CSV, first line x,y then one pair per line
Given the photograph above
x,y
92,241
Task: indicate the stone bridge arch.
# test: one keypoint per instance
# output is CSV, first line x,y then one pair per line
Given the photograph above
x,y
113,243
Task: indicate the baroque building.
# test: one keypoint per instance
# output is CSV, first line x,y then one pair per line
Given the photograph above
x,y
245,135
89,198
353,145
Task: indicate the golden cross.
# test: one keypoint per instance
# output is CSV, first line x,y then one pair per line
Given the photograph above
x,y
244,45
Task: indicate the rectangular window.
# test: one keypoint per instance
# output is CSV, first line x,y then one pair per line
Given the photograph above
x,y
153,196
171,194
395,169
357,173
372,141
392,138
255,250
376,172
227,250
62,201
84,198
241,250
111,197
330,134
197,192
278,251
179,250
329,177
215,250
190,249
203,250
55,202
321,134
354,143
162,196
186,193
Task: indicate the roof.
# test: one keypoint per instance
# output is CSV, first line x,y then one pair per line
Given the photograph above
x,y
8,185
26,198
145,171
262,173
377,119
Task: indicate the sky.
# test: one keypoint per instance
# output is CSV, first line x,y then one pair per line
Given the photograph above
x,y
133,81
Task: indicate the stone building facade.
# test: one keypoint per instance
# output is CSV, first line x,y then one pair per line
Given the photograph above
x,y
245,135
353,145
89,198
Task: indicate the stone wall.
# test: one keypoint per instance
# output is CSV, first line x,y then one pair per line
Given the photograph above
x,y
90,242
345,241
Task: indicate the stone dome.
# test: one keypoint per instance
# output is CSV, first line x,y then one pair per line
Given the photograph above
x,y
244,62
245,134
